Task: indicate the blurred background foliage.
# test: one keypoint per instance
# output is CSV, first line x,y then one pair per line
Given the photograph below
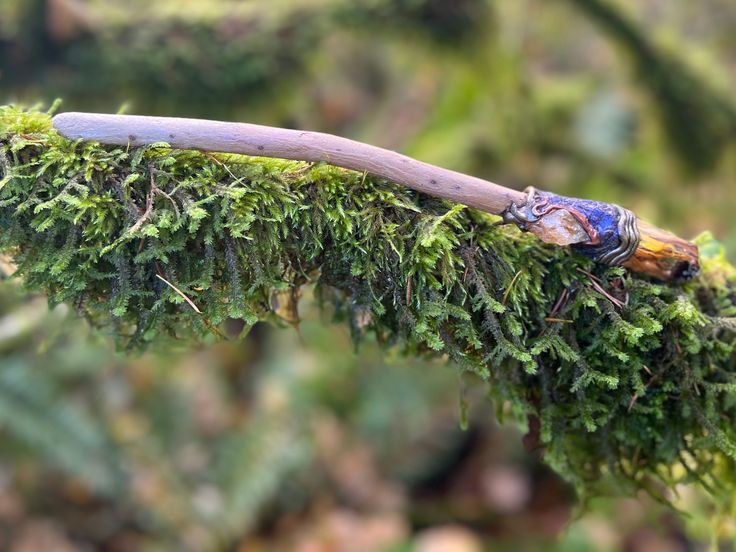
x,y
291,440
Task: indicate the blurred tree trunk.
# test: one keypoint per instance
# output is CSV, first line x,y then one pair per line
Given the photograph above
x,y
699,121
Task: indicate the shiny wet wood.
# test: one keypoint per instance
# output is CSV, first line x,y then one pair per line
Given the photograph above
x,y
663,255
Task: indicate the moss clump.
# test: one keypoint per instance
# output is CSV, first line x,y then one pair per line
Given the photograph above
x,y
622,377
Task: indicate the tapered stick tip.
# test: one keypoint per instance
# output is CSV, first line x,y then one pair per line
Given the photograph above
x,y
68,124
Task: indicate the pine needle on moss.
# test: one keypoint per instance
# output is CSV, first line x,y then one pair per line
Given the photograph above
x,y
624,377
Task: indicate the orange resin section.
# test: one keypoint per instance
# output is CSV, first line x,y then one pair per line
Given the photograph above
x,y
663,255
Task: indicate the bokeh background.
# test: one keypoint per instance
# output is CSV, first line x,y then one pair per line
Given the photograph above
x,y
291,439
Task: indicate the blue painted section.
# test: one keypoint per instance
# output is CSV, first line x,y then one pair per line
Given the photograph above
x,y
602,216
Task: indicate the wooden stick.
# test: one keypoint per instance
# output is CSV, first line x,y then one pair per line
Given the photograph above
x,y
263,141
607,233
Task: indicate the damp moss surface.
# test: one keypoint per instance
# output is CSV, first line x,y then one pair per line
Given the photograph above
x,y
622,383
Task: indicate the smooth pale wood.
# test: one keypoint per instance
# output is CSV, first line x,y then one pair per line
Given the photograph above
x,y
663,255
298,145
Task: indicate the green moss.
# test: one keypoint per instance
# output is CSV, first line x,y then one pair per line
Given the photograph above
x,y
637,393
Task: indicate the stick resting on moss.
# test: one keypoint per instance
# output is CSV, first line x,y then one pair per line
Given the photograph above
x,y
606,233
631,381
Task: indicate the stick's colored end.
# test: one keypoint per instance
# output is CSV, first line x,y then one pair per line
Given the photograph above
x,y
663,255
607,233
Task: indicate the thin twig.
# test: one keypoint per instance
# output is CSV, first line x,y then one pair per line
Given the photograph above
x,y
156,190
216,161
146,214
653,379
561,300
596,283
263,141
511,286
181,293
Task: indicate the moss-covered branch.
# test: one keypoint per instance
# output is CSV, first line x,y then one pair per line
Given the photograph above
x,y
629,379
